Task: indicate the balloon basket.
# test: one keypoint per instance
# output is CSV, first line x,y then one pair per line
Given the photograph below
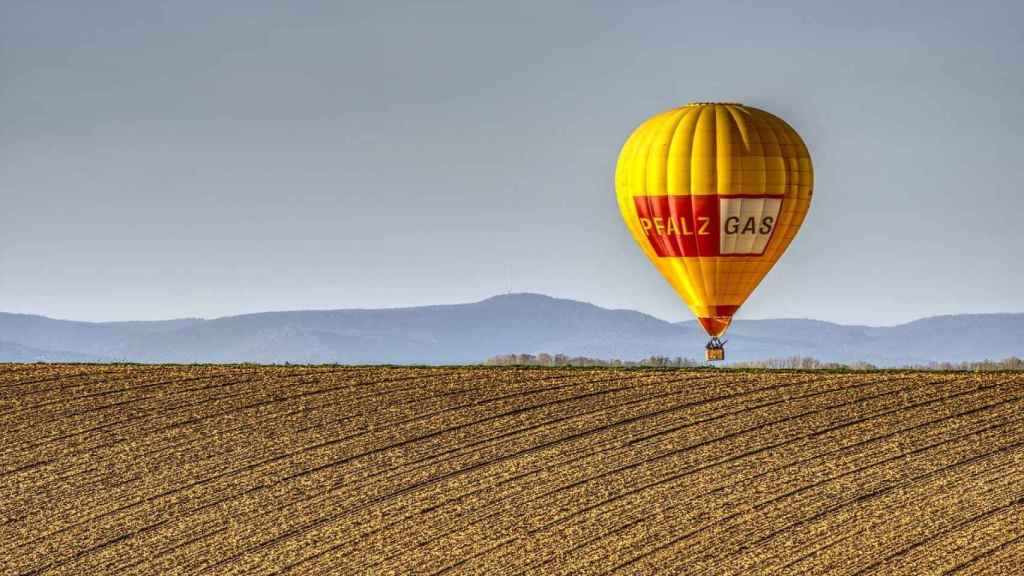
x,y
715,350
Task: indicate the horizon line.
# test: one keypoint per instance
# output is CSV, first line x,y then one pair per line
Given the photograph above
x,y
496,296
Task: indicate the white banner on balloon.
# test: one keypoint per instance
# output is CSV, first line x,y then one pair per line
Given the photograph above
x,y
746,224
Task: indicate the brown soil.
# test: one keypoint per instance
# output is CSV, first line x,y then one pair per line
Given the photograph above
x,y
126,469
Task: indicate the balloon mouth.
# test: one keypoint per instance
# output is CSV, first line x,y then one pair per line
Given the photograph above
x,y
715,326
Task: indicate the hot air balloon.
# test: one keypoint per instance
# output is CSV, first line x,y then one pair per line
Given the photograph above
x,y
714,193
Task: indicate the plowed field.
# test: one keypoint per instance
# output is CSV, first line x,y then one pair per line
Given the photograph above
x,y
123,469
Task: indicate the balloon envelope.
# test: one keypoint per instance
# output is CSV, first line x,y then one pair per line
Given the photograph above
x,y
714,193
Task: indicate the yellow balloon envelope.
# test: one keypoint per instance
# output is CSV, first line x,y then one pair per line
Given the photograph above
x,y
714,193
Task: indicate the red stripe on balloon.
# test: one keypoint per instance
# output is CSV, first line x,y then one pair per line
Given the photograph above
x,y
679,226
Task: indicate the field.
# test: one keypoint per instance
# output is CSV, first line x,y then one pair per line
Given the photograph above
x,y
126,469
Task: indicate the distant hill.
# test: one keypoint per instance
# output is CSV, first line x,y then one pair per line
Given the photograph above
x,y
12,352
515,323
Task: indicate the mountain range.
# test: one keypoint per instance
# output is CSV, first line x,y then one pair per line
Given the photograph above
x,y
513,323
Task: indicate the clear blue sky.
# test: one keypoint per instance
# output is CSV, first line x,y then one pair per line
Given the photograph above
x,y
211,158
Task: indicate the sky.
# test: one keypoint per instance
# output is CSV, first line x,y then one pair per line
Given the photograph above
x,y
185,159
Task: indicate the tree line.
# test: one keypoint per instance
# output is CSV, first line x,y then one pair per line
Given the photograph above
x,y
805,363
787,363
544,359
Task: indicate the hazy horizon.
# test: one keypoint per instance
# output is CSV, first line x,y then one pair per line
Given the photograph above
x,y
197,160
685,319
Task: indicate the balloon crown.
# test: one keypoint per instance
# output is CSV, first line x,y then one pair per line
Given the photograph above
x,y
714,103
